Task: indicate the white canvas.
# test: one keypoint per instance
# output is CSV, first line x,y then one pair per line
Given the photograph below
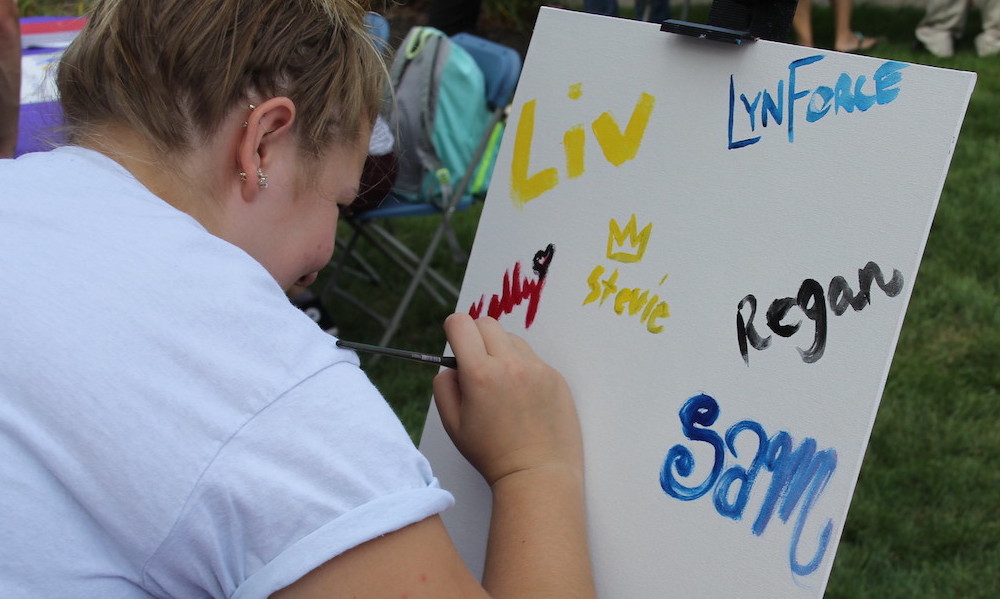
x,y
804,204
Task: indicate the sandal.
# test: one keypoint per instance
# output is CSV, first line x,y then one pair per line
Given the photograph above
x,y
864,44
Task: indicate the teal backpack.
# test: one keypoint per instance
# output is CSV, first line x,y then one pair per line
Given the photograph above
x,y
440,117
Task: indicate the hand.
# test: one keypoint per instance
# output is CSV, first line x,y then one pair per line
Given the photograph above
x,y
505,409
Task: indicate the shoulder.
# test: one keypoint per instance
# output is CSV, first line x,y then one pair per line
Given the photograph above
x,y
323,468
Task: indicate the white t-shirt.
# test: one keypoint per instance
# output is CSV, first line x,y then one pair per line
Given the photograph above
x,y
170,425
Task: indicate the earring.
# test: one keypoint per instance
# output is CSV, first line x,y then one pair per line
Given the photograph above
x,y
251,106
261,179
243,176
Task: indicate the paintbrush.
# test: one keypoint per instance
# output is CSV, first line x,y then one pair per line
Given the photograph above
x,y
447,361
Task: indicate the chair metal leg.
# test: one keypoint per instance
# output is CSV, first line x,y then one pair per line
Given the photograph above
x,y
443,229
362,306
416,280
413,260
458,253
339,264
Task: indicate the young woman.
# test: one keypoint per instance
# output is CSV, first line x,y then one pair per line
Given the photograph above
x,y
170,425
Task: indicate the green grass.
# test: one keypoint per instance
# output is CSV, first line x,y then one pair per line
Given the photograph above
x,y
925,519
51,7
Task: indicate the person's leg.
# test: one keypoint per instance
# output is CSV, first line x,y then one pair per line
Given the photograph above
x,y
453,16
640,10
845,39
944,20
659,10
802,23
988,42
601,7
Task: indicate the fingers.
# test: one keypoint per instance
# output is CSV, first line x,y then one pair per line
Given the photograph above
x,y
505,409
477,339
496,340
521,346
464,337
448,398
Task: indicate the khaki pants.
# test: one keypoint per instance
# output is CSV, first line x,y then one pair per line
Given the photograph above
x,y
945,20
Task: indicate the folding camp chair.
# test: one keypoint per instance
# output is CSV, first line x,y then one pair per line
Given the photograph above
x,y
501,68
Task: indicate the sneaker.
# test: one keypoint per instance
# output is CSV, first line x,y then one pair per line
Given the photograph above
x,y
987,44
311,305
937,42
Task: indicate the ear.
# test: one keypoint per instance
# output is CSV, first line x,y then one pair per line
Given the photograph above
x,y
266,136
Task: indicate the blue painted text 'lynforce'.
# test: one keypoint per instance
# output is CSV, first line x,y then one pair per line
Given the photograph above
x,y
845,95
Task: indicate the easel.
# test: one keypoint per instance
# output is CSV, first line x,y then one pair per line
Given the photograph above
x,y
737,21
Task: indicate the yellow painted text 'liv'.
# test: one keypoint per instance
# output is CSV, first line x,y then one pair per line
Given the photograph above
x,y
617,146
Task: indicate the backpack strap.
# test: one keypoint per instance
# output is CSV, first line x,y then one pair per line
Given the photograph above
x,y
425,49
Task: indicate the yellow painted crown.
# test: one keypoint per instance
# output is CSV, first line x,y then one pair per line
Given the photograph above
x,y
637,241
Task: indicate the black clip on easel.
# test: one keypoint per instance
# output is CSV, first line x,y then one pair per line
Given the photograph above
x,y
739,21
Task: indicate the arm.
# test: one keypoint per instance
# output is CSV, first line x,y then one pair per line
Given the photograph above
x,y
512,416
10,76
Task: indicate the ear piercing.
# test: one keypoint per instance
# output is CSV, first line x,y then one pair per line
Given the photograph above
x,y
251,106
261,178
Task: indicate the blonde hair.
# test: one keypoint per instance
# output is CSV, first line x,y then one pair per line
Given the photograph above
x,y
172,70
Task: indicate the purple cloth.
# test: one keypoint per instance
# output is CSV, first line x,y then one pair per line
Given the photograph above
x,y
39,124
38,127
